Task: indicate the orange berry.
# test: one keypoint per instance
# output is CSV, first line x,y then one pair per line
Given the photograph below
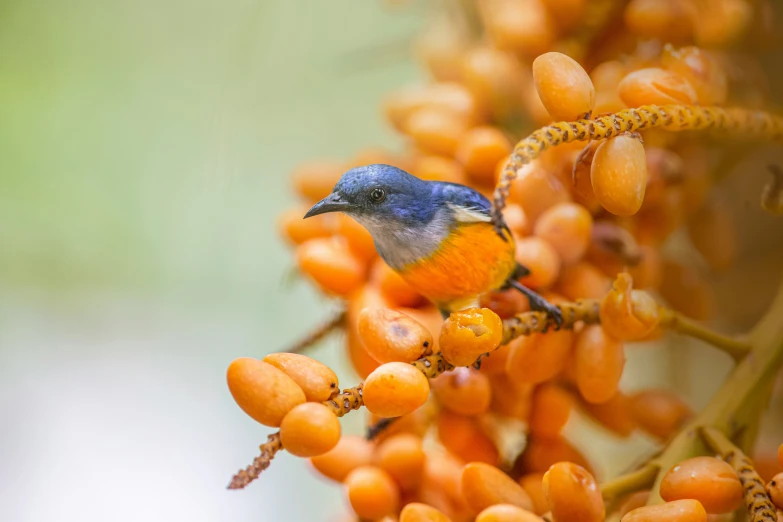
x,y
600,360
565,13
677,511
331,265
430,317
573,494
634,501
510,397
566,227
394,288
463,437
395,389
665,20
581,281
655,86
317,381
581,185
402,457
522,27
262,391
551,408
442,472
464,391
516,219
701,69
469,333
659,412
563,85
439,168
533,485
687,291
448,97
361,362
775,490
780,455
309,429
495,362
711,481
418,512
314,180
541,453
480,150
436,131
628,314
484,485
538,357
439,48
390,336
606,75
372,492
619,175
505,303
359,240
614,414
296,230
541,259
496,78
350,452
536,190
506,513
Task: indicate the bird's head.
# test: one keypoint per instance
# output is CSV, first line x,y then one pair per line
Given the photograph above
x,y
379,196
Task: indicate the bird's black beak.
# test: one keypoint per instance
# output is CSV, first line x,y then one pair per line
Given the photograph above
x,y
331,203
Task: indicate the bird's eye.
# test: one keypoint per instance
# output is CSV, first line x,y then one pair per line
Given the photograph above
x,y
377,195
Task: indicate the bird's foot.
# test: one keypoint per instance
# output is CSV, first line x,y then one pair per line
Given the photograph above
x,y
539,304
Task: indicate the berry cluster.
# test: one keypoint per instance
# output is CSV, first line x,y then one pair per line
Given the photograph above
x,y
466,415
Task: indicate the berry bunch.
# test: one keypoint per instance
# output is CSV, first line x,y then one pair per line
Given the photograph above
x,y
466,415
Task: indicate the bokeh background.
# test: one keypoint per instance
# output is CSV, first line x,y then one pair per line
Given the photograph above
x,y
144,154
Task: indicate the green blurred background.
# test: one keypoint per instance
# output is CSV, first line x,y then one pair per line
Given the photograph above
x,y
144,156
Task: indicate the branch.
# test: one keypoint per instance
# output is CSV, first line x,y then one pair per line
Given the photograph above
x,y
669,117
686,326
757,501
336,322
634,481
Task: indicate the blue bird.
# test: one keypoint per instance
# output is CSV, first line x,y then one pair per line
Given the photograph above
x,y
438,236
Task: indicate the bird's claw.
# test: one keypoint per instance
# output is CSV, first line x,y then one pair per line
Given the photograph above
x,y
553,312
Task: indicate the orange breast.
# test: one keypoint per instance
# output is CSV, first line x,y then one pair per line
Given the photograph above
x,y
472,261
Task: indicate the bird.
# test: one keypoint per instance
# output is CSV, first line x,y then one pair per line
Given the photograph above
x,y
438,236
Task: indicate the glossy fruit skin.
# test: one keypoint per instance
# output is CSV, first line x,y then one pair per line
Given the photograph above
x,y
418,512
395,389
677,511
541,259
480,150
775,490
372,492
573,494
655,86
614,414
600,360
484,485
468,334
533,485
463,437
506,513
541,453
659,412
402,457
464,391
551,408
331,265
262,391
709,480
318,382
619,175
391,336
309,429
564,87
628,314
539,357
566,227
350,452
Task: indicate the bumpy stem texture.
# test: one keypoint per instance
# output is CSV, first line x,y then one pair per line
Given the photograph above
x,y
760,507
751,124
260,463
527,323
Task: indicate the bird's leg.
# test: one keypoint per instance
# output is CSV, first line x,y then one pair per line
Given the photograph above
x,y
537,302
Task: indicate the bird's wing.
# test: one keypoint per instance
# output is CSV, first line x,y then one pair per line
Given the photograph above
x,y
468,205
